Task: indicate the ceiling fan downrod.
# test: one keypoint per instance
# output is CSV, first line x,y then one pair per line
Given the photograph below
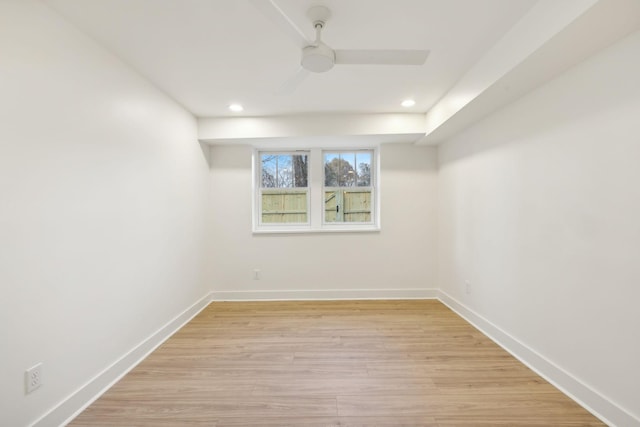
x,y
318,57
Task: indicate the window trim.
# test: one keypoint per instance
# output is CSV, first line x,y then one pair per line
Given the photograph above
x,y
315,190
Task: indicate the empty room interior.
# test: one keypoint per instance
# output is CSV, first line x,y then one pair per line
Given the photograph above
x,y
319,213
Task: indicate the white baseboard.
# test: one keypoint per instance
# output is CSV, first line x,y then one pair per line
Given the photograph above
x,y
79,400
587,397
325,294
597,404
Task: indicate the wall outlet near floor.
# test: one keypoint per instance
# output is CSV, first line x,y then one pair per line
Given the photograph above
x,y
256,274
467,286
33,378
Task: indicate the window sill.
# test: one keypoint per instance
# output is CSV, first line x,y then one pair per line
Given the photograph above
x,y
307,230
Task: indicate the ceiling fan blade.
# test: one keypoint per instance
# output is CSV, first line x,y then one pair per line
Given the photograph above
x,y
381,57
293,82
272,11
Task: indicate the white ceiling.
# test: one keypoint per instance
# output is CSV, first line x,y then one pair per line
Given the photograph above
x,y
206,54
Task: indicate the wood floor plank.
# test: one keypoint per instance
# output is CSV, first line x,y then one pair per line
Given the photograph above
x,y
469,405
364,386
331,363
397,421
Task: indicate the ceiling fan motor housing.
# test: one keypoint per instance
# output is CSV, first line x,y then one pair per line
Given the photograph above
x,y
318,59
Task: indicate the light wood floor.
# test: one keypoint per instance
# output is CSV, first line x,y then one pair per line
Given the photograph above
x,y
348,363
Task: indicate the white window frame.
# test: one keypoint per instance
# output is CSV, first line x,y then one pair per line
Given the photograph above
x,y
259,190
372,188
315,195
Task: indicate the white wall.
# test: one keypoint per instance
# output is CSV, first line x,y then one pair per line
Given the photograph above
x,y
539,208
103,206
103,218
398,261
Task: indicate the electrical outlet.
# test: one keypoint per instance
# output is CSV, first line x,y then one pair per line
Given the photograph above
x,y
256,274
467,286
33,378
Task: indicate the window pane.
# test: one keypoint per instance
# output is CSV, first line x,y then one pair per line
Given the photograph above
x,y
300,170
331,161
357,206
268,171
284,206
348,170
347,206
339,170
331,206
284,170
363,160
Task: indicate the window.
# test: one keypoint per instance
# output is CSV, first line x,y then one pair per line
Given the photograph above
x,y
284,190
348,193
315,190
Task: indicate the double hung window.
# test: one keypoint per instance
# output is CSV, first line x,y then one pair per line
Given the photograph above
x,y
284,188
348,191
315,190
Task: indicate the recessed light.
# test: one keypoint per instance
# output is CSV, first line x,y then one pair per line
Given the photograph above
x,y
408,103
236,108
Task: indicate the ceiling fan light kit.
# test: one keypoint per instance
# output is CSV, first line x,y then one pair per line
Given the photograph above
x,y
318,59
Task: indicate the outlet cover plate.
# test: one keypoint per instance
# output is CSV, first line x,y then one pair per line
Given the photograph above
x,y
33,378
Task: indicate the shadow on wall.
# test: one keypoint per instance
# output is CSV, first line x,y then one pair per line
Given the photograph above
x,y
206,153
575,99
230,157
407,157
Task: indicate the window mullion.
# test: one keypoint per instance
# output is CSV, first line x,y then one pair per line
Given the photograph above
x,y
316,196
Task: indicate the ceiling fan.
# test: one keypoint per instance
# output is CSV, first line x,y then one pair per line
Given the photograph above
x,y
318,57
